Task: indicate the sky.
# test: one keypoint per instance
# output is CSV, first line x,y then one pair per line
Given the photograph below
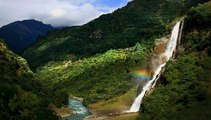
x,y
57,12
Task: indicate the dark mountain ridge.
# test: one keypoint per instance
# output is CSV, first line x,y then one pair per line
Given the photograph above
x,y
20,35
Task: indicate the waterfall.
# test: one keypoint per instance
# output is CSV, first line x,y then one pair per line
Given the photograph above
x,y
180,34
170,49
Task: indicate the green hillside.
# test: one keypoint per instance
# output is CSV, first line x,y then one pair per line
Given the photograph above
x,y
100,77
22,97
184,91
140,20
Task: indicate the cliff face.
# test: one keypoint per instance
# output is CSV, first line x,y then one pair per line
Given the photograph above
x,y
21,95
183,92
12,65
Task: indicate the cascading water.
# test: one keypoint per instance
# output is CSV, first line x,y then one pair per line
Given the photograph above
x,y
170,48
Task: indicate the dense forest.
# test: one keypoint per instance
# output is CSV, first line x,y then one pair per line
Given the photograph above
x,y
22,96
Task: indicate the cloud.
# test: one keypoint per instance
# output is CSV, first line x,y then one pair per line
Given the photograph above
x,y
55,12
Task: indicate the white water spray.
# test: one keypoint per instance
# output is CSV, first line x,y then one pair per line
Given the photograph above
x,y
170,49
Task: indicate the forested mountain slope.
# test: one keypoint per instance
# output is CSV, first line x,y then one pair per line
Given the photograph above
x,y
140,20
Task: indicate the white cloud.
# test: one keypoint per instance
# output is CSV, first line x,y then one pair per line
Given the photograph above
x,y
58,12
55,12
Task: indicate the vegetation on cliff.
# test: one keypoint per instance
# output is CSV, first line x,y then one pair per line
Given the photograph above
x,y
183,92
21,95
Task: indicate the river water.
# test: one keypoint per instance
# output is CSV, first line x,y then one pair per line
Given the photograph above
x,y
79,108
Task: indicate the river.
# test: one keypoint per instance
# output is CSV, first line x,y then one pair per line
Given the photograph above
x,y
79,108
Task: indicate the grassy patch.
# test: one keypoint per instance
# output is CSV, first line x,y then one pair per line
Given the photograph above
x,y
122,102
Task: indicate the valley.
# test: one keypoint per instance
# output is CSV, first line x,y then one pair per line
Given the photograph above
x,y
136,63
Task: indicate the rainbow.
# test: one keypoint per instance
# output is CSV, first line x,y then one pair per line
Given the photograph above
x,y
142,74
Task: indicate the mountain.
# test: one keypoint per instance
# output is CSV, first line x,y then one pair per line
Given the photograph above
x,y
136,22
20,35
